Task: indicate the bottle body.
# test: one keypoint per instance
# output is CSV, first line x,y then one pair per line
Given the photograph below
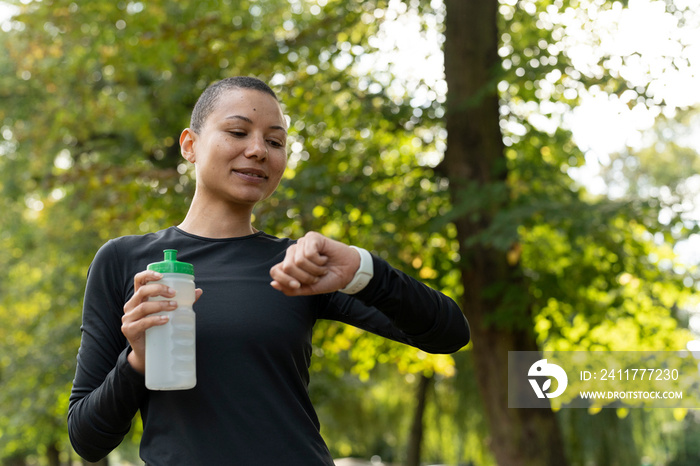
x,y
170,348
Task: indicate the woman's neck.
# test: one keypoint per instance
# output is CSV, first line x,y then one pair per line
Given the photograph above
x,y
219,220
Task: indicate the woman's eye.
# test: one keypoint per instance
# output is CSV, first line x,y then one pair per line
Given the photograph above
x,y
276,143
238,134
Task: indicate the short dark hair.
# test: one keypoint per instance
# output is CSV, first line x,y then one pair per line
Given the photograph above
x,y
210,97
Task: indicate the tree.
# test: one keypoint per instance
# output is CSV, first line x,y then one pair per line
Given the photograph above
x,y
514,204
493,284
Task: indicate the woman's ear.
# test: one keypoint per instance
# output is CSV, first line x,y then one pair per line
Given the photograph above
x,y
187,144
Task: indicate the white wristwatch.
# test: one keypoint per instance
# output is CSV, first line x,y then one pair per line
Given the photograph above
x,y
363,275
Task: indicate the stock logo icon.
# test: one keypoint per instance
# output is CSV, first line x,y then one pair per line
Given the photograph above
x,y
542,369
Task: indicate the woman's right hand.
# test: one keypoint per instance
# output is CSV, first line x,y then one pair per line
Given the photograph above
x,y
138,314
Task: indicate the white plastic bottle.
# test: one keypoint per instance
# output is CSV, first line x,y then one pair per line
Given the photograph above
x,y
170,348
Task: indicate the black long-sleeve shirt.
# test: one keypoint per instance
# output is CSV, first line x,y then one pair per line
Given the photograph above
x,y
251,402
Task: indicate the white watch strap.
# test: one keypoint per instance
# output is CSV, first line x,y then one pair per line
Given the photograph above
x,y
363,275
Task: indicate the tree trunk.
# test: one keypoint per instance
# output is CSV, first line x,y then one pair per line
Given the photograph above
x,y
53,455
416,435
495,296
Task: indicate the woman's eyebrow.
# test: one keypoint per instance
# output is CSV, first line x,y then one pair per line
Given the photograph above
x,y
248,120
239,117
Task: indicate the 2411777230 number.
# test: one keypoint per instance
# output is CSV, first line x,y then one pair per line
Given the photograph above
x,y
639,374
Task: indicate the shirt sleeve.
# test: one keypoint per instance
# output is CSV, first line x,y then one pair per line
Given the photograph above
x,y
396,306
107,391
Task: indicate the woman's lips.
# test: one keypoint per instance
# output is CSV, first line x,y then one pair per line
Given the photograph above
x,y
251,174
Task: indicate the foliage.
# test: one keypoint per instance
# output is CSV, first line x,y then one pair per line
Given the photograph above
x,y
96,93
601,271
592,263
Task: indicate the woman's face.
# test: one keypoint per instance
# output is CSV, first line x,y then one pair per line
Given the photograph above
x,y
240,153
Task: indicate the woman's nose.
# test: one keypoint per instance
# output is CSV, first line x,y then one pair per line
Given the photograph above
x,y
257,148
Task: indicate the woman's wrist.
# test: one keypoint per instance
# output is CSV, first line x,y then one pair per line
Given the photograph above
x,y
133,360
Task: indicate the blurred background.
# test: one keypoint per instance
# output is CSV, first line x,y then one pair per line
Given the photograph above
x,y
537,160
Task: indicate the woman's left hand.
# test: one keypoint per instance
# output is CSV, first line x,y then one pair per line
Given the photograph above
x,y
315,265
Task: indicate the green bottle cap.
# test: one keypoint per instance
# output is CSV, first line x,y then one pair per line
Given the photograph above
x,y
171,265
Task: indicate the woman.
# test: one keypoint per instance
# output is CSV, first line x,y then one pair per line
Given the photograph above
x,y
251,402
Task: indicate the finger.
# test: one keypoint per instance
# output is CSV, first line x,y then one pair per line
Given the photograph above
x,y
198,294
153,290
299,266
290,291
312,245
146,309
308,258
134,330
282,278
288,272
292,274
144,277
276,285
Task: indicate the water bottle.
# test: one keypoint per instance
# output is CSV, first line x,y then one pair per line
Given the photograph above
x,y
170,348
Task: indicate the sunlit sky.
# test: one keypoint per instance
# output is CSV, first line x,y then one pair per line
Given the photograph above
x,y
665,60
